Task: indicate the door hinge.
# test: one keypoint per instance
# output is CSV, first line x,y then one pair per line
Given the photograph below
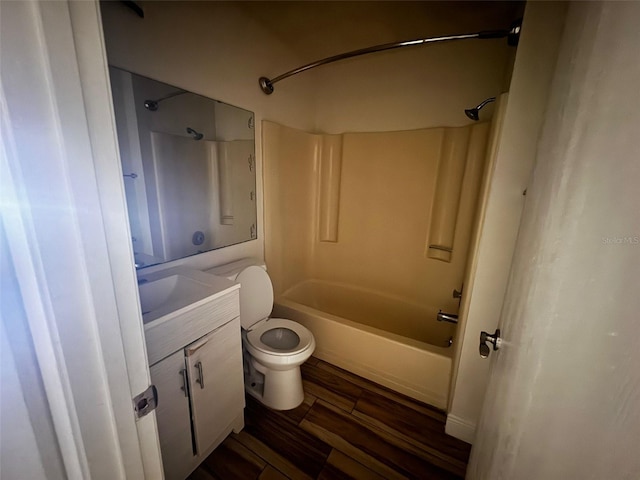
x,y
145,402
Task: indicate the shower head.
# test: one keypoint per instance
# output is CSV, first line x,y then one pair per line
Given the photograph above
x,y
473,113
194,134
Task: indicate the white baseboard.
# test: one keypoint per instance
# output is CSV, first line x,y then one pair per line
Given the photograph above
x,y
460,428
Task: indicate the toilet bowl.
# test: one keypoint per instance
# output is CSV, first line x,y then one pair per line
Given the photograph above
x,y
273,348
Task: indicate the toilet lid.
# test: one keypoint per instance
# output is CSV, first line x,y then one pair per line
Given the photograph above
x,y
256,295
279,336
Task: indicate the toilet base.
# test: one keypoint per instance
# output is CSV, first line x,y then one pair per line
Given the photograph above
x,y
277,389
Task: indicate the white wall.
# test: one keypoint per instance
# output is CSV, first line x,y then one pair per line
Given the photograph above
x,y
502,209
563,398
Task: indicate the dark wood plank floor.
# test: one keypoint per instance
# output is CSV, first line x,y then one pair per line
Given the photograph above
x,y
346,428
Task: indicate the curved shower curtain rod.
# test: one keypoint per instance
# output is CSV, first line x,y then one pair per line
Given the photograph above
x,y
512,35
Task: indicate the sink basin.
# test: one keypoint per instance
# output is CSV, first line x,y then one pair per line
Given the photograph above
x,y
176,290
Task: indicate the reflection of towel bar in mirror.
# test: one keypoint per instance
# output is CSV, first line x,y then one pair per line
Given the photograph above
x,y
184,186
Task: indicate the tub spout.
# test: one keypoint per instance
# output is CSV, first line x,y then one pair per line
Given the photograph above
x,y
447,317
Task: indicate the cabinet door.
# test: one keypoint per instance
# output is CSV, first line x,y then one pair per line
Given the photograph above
x,y
172,414
216,383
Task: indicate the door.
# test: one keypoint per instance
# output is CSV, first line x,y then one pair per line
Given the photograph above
x,y
215,382
563,397
68,240
174,419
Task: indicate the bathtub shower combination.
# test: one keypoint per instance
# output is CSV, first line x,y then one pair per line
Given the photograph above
x,y
366,236
379,337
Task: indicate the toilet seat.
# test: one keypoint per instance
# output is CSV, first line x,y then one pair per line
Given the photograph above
x,y
255,337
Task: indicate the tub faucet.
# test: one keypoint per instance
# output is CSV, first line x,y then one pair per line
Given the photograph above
x,y
447,317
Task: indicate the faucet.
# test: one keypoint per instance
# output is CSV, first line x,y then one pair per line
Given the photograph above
x,y
447,317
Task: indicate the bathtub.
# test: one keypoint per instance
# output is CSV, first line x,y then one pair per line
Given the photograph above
x,y
390,341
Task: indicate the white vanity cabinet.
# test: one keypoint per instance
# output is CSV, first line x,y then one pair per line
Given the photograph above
x,y
197,371
215,381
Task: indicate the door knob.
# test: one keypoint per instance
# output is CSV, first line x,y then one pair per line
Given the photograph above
x,y
493,339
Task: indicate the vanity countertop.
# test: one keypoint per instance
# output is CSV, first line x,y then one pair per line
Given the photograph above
x,y
183,305
207,288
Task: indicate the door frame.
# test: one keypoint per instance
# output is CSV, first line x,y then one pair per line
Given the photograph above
x,y
511,159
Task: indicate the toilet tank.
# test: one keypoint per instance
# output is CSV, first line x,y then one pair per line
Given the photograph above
x,y
231,270
256,291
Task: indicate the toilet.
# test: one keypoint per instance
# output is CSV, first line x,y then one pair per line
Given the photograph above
x,y
272,348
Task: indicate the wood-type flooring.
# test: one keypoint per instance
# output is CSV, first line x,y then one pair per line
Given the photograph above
x,y
346,428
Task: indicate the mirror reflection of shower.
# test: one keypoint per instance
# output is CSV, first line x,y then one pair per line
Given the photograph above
x,y
194,134
175,149
152,105
474,113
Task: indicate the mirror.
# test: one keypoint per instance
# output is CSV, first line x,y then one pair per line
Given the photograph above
x,y
189,169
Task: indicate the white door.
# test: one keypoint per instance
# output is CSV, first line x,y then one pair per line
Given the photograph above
x,y
65,235
173,415
215,383
563,398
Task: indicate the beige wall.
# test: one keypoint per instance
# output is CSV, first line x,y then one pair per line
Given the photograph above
x,y
220,49
214,49
411,88
404,89
211,48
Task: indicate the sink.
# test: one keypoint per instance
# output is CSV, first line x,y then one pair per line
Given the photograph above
x,y
175,291
181,305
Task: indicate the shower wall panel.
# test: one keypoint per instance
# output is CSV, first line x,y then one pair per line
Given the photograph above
x,y
451,164
329,194
462,153
363,218
290,159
